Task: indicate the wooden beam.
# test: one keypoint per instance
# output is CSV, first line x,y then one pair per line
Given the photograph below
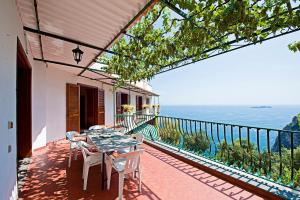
x,y
75,66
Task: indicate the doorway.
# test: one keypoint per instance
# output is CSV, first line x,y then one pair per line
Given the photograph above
x,y
24,111
85,107
121,99
139,103
88,106
124,101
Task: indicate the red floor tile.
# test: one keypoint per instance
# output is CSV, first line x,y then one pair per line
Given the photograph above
x,y
164,177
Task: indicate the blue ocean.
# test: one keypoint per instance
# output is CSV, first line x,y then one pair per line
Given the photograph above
x,y
274,117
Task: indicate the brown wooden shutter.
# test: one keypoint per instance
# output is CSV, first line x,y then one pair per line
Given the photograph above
x,y
101,107
73,111
136,103
118,103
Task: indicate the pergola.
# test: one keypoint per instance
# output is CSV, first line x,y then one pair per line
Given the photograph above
x,y
177,33
54,28
139,39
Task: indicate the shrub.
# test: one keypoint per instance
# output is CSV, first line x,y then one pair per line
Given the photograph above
x,y
196,142
170,133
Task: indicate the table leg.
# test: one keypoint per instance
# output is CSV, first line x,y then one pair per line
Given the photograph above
x,y
103,171
135,148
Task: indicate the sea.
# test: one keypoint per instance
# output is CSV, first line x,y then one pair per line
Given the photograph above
x,y
273,117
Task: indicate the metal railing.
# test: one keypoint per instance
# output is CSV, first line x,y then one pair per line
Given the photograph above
x,y
130,122
268,153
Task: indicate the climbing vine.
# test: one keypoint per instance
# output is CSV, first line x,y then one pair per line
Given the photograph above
x,y
179,32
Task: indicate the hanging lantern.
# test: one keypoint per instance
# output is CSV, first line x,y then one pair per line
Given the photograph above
x,y
77,54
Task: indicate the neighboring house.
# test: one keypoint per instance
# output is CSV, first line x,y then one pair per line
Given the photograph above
x,y
44,92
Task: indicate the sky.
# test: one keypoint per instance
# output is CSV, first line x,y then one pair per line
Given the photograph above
x,y
263,74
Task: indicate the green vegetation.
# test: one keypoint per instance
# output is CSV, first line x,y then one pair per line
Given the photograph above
x,y
295,47
171,134
198,30
245,156
242,154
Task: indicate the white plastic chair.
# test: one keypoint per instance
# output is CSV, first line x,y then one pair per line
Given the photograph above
x,y
96,127
89,159
124,164
139,137
75,145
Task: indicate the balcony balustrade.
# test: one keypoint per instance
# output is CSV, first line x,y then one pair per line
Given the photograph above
x,y
253,150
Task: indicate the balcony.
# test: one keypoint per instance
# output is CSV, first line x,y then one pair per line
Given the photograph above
x,y
176,164
263,158
164,177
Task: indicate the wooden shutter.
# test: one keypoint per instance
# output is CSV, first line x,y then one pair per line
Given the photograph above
x,y
136,103
73,111
101,107
118,103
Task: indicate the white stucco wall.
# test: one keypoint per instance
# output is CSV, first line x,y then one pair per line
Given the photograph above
x,y
39,102
10,30
133,97
144,84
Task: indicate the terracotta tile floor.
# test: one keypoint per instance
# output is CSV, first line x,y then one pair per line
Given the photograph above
x,y
164,177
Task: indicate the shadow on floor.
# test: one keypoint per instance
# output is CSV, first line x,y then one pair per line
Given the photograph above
x,y
213,182
48,177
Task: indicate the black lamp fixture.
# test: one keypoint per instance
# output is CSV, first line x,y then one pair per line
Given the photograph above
x,y
77,54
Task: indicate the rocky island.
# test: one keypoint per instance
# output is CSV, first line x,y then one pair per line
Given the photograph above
x,y
286,136
261,107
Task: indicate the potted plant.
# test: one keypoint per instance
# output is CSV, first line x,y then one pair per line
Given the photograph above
x,y
156,108
128,109
146,108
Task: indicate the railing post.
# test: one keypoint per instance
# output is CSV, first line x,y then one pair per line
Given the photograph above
x,y
218,134
269,153
241,145
212,137
249,149
225,139
210,147
231,133
280,156
292,159
258,149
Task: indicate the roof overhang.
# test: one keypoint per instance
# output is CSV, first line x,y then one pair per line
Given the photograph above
x,y
54,28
